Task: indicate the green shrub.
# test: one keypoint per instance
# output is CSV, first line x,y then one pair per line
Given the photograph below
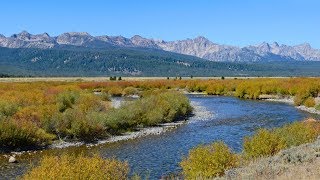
x,y
89,102
318,107
21,134
78,167
7,108
148,111
209,161
66,100
263,143
309,102
75,123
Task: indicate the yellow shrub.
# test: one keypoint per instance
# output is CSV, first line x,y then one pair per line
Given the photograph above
x,y
115,91
78,167
208,161
89,102
263,143
130,91
309,102
299,133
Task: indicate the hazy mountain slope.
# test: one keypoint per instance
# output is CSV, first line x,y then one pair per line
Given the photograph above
x,y
110,61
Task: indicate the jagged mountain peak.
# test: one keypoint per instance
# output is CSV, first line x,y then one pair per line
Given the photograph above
x,y
137,37
264,44
75,38
200,38
24,35
199,46
45,35
144,42
275,44
304,45
77,34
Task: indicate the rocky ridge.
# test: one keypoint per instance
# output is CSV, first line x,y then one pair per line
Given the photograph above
x,y
199,46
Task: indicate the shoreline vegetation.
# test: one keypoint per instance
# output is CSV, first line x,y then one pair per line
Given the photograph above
x,y
38,114
46,114
268,154
35,114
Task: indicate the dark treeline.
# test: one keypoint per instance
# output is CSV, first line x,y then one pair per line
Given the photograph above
x,y
137,62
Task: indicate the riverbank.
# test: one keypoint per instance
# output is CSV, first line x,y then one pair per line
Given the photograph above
x,y
141,132
290,100
199,113
301,162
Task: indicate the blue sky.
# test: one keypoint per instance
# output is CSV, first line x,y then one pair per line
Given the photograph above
x,y
234,22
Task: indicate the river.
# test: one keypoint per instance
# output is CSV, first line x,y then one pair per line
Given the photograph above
x,y
215,118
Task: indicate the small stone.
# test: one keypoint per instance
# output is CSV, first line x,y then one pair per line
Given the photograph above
x,y
12,159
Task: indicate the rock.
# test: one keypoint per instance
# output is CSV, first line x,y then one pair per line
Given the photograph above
x,y
12,159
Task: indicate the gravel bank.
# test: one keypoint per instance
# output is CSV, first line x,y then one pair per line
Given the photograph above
x,y
289,100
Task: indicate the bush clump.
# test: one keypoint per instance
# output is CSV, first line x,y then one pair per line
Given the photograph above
x,y
208,161
309,102
7,108
115,91
268,142
149,111
15,134
298,133
78,167
130,91
66,100
263,143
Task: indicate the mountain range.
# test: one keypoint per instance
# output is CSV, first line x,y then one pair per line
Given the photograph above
x,y
200,46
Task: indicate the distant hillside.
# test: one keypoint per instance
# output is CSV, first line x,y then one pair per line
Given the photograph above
x,y
200,46
126,61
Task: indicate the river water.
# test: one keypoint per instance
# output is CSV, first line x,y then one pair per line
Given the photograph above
x,y
215,118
